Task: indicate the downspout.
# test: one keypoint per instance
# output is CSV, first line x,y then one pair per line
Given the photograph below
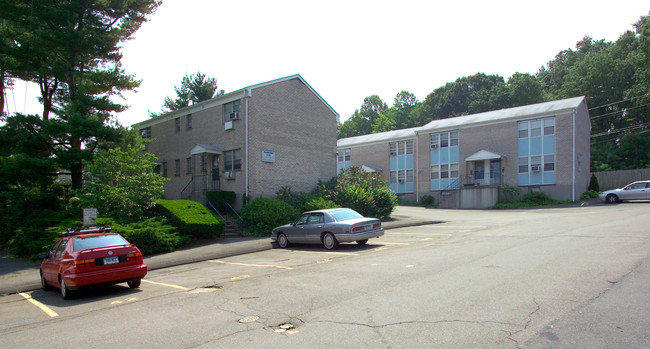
x,y
573,181
247,94
417,167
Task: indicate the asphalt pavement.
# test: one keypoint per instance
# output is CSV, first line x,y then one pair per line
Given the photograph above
x,y
19,275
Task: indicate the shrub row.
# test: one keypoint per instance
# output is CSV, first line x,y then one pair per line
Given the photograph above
x,y
221,199
191,218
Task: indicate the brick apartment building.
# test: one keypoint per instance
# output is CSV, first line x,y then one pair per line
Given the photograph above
x,y
252,141
462,161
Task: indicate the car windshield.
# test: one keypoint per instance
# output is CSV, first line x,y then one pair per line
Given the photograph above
x,y
83,243
343,215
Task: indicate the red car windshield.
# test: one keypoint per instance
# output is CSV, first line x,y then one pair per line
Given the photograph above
x,y
95,241
343,215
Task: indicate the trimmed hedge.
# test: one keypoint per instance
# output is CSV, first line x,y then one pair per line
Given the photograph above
x,y
191,218
220,199
261,215
152,236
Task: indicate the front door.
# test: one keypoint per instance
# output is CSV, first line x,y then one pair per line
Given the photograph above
x,y
215,172
479,171
495,171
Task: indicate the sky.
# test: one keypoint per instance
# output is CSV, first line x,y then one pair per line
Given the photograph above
x,y
348,50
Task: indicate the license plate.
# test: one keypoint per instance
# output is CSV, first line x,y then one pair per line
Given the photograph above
x,y
111,260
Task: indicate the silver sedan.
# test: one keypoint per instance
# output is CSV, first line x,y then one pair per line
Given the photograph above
x,y
329,227
633,191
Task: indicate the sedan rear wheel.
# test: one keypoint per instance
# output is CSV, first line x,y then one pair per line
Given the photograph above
x,y
283,242
329,241
65,291
135,283
611,199
362,242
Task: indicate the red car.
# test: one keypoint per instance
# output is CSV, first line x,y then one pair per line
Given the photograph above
x,y
90,257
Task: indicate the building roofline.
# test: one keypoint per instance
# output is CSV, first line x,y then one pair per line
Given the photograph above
x,y
226,98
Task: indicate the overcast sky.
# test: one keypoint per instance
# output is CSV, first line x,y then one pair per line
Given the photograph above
x,y
348,50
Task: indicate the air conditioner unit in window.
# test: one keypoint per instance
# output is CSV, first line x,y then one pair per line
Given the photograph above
x,y
400,181
535,168
233,116
228,125
229,175
434,146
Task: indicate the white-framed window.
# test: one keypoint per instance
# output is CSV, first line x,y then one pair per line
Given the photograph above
x,y
434,140
444,140
188,121
435,172
453,138
231,111
401,147
523,129
204,163
444,171
536,128
188,164
232,160
549,126
523,164
343,155
549,162
393,177
146,132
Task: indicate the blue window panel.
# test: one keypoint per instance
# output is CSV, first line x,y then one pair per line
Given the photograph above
x,y
522,147
444,183
444,156
549,177
522,179
536,178
402,188
549,144
453,155
393,163
393,187
536,146
454,183
435,184
408,188
409,161
435,157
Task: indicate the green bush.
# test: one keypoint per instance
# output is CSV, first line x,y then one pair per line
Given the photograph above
x,y
154,235
589,194
509,193
427,200
261,215
293,198
318,203
364,192
191,218
221,199
593,184
536,197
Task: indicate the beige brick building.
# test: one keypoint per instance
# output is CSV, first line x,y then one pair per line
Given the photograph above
x,y
463,161
251,141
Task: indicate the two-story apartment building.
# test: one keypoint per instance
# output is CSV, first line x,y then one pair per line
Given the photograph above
x,y
462,161
252,141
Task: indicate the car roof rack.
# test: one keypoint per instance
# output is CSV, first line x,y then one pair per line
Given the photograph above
x,y
90,230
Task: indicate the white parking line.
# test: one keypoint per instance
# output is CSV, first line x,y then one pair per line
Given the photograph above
x,y
321,252
394,243
40,305
254,265
168,285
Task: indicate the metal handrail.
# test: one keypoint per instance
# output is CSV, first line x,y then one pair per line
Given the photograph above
x,y
215,210
188,184
233,210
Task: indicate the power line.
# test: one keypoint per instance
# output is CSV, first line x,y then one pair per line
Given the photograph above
x,y
619,111
629,128
621,101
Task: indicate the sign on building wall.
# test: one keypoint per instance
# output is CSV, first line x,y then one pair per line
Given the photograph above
x,y
268,156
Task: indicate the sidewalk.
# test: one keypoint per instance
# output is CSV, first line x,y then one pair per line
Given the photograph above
x,y
17,275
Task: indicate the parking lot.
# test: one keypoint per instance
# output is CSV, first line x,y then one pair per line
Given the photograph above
x,y
481,278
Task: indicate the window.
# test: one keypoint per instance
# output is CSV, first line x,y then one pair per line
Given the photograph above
x,y
536,163
231,111
434,172
401,148
343,155
164,169
444,140
433,139
523,164
453,135
523,129
401,176
454,170
316,218
444,171
145,132
409,176
232,160
60,249
549,162
177,123
189,165
204,163
549,126
177,167
189,122
536,128
393,177
408,145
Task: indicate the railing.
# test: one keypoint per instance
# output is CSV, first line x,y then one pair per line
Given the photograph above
x,y
478,179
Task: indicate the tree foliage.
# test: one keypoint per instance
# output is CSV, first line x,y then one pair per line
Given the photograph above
x,y
194,88
364,192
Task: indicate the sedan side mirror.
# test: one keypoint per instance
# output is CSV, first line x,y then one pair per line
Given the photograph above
x,y
44,255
